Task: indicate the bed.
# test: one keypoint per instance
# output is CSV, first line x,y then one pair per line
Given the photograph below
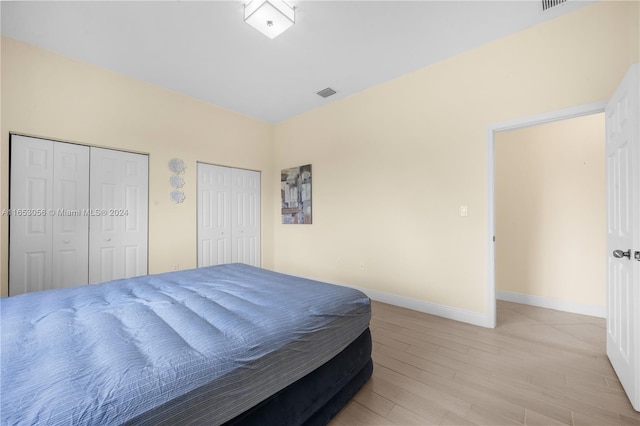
x,y
229,344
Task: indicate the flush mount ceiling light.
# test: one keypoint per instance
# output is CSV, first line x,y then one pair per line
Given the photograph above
x,y
270,17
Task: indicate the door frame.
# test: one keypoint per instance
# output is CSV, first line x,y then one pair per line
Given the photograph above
x,y
517,123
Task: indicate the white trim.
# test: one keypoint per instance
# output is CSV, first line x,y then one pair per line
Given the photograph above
x,y
558,305
490,313
449,312
518,123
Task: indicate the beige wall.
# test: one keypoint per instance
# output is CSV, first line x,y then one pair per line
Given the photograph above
x,y
48,95
393,164
550,211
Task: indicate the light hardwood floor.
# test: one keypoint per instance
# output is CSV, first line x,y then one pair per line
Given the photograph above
x,y
537,367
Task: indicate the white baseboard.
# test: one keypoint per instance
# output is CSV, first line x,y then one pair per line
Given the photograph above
x,y
558,305
444,311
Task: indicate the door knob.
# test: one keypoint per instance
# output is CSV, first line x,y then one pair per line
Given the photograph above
x,y
619,254
636,256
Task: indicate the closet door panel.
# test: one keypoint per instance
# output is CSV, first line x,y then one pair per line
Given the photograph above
x,y
119,215
246,216
70,242
214,215
103,228
30,224
135,214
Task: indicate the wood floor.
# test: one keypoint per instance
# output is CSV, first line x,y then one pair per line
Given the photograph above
x,y
537,367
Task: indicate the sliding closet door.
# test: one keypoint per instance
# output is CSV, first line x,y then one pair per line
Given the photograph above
x,y
245,214
228,215
49,195
119,215
214,215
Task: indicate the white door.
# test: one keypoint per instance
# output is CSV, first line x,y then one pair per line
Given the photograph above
x,y
49,231
214,215
119,215
228,215
30,235
70,242
623,233
245,214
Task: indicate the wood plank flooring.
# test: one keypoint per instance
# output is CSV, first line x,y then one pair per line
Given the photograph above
x,y
537,367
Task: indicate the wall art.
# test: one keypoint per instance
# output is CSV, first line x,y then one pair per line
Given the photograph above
x,y
295,188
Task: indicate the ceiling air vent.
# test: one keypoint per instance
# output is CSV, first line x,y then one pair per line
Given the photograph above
x,y
325,93
548,4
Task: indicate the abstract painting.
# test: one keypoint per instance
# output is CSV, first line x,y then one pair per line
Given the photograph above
x,y
295,188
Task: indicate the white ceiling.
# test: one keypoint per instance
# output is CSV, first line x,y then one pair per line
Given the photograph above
x,y
204,49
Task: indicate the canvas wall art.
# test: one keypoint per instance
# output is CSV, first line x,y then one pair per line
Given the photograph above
x,y
295,184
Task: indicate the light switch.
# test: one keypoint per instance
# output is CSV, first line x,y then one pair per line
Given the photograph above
x,y
464,211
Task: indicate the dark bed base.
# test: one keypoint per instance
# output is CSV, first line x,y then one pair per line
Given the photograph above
x,y
318,397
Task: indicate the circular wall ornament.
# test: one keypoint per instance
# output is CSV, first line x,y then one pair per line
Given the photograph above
x,y
176,165
177,196
176,181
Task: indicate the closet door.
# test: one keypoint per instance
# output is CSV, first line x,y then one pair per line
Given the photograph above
x,y
31,190
228,215
119,215
48,242
214,215
70,222
245,214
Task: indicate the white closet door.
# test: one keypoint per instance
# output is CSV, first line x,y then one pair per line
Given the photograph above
x,y
30,234
245,214
70,242
214,215
119,215
49,231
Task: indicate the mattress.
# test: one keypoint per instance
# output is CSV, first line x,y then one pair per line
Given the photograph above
x,y
211,342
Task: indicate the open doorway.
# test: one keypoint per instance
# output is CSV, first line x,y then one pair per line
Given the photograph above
x,y
492,130
550,211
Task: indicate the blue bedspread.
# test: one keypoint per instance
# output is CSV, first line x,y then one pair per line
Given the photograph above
x,y
112,352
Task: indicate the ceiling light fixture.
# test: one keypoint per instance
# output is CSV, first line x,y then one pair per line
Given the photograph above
x,y
270,17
